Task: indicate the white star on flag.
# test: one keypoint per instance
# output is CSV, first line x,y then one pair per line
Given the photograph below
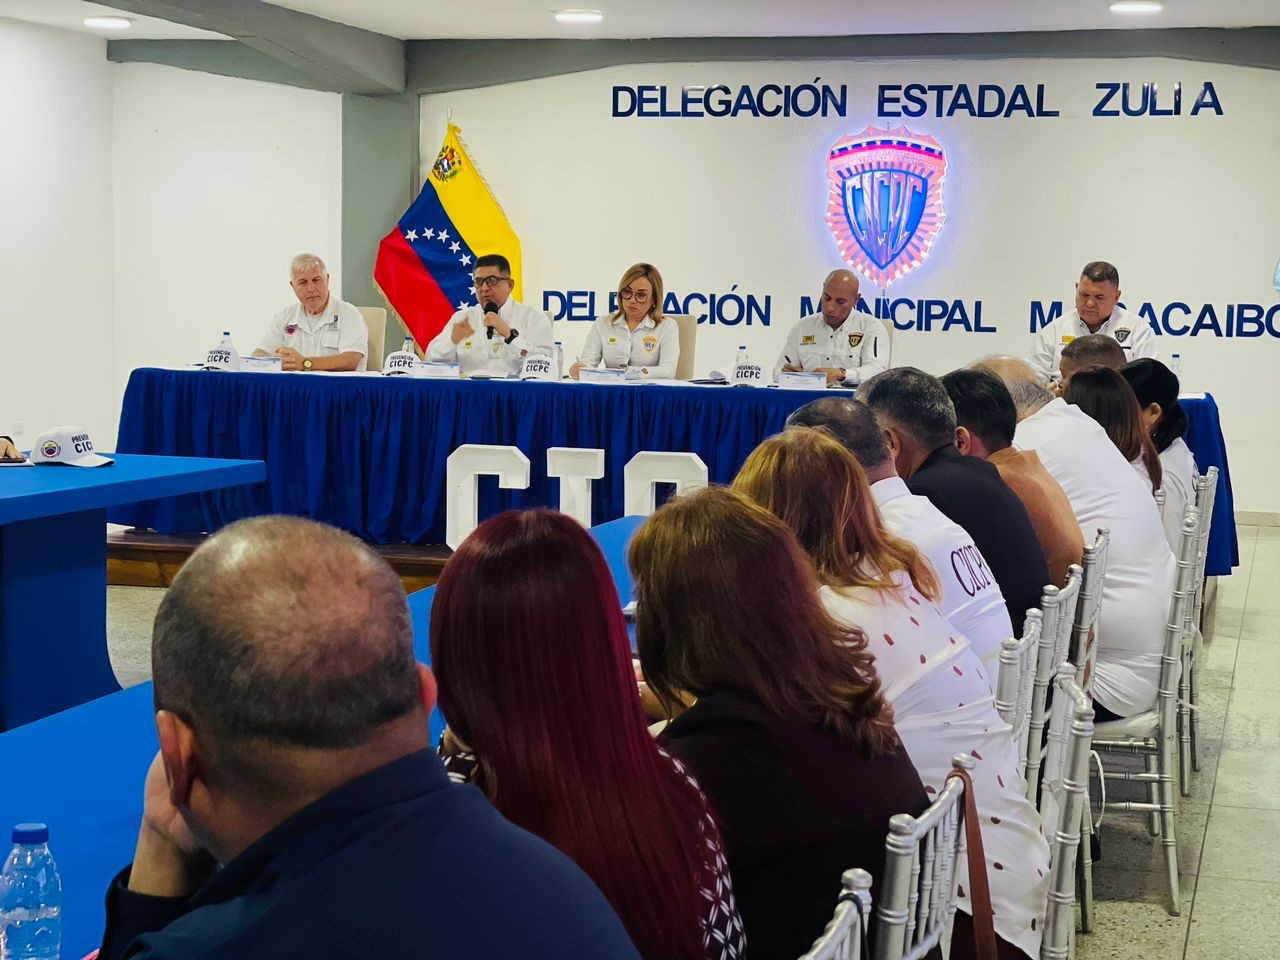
x,y
473,289
444,235
429,234
455,247
462,304
466,259
411,235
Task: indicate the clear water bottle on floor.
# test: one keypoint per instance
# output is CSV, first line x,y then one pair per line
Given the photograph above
x,y
30,898
559,360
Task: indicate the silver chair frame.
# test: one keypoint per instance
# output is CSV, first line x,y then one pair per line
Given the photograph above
x,y
1015,683
1206,490
918,897
1058,611
847,929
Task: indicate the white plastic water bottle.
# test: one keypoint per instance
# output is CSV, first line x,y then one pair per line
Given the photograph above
x,y
742,354
559,360
408,345
30,898
1175,365
227,345
1275,281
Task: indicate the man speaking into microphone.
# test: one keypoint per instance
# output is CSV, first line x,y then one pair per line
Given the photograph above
x,y
494,336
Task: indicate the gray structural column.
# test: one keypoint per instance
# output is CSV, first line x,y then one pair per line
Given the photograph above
x,y
379,181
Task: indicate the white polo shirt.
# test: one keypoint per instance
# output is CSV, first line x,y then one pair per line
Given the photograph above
x,y
1105,491
479,352
859,345
1128,329
971,598
338,328
649,353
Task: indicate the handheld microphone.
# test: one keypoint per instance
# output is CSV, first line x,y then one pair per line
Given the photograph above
x,y
490,307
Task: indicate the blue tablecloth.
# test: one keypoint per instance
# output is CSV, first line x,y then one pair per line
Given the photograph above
x,y
367,454
1204,437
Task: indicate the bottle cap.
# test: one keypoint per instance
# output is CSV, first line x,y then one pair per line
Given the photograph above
x,y
226,333
31,833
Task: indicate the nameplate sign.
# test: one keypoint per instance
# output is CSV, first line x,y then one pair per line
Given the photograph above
x,y
220,358
400,363
437,371
261,365
802,381
539,368
602,375
748,375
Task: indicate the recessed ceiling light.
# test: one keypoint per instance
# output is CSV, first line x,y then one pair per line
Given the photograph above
x,y
1137,6
579,16
108,23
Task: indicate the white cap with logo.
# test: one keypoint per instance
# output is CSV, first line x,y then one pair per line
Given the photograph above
x,y
67,445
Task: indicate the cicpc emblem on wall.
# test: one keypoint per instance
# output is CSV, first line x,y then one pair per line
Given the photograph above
x,y
884,205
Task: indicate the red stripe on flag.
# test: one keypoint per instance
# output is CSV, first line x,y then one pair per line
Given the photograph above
x,y
410,288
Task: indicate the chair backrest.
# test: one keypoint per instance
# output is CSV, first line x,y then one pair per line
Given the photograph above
x,y
1084,632
1177,627
688,327
922,856
888,332
847,930
1064,803
1058,609
1016,681
1206,488
375,318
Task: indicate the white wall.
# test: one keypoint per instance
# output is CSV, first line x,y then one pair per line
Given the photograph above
x,y
219,182
56,270
1187,207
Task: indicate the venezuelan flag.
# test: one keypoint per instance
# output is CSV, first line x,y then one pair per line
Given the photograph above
x,y
425,263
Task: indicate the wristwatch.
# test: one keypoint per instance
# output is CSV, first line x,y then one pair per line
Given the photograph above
x,y
307,363
512,335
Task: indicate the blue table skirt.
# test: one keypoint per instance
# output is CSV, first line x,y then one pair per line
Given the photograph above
x,y
1204,437
367,454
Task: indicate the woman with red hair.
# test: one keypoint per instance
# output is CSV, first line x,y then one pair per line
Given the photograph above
x,y
530,651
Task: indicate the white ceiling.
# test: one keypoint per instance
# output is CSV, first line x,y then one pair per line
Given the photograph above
x,y
430,19
70,14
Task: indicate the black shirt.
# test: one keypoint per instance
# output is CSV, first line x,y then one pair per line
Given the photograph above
x,y
972,493
797,807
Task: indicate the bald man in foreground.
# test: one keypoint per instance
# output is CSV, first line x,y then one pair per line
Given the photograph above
x,y
839,341
295,808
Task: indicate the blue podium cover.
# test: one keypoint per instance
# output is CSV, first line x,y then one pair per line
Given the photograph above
x,y
367,453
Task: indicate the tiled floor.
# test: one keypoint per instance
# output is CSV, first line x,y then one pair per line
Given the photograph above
x,y
1228,831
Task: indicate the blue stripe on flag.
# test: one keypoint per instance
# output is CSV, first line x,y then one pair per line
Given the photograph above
x,y
434,238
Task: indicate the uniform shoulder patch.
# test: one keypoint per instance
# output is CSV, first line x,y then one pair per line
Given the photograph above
x,y
1122,334
855,339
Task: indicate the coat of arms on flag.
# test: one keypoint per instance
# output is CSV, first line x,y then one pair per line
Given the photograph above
x,y
884,205
424,264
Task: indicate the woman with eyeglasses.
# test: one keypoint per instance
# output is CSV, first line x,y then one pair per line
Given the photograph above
x,y
636,337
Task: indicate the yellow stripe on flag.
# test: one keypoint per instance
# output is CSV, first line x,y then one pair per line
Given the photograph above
x,y
472,207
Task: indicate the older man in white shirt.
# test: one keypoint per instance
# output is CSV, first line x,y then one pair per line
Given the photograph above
x,y
1104,491
493,337
316,333
1097,311
971,598
838,340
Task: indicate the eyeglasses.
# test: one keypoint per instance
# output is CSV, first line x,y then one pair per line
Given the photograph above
x,y
488,281
640,296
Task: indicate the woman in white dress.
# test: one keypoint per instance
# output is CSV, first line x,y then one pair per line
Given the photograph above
x,y
1156,387
636,337
941,697
1105,396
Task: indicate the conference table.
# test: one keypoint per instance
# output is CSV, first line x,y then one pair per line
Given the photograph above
x,y
81,771
366,453
53,570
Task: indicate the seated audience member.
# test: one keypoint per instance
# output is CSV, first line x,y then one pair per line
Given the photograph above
x,y
317,332
942,702
636,337
1098,311
295,808
1093,350
839,340
1107,397
1104,492
985,422
1156,387
971,598
494,336
8,451
536,678
919,423
790,735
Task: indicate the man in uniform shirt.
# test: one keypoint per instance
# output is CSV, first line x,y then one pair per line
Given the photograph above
x,y
971,598
1097,311
1105,492
919,423
315,333
985,422
838,341
493,337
